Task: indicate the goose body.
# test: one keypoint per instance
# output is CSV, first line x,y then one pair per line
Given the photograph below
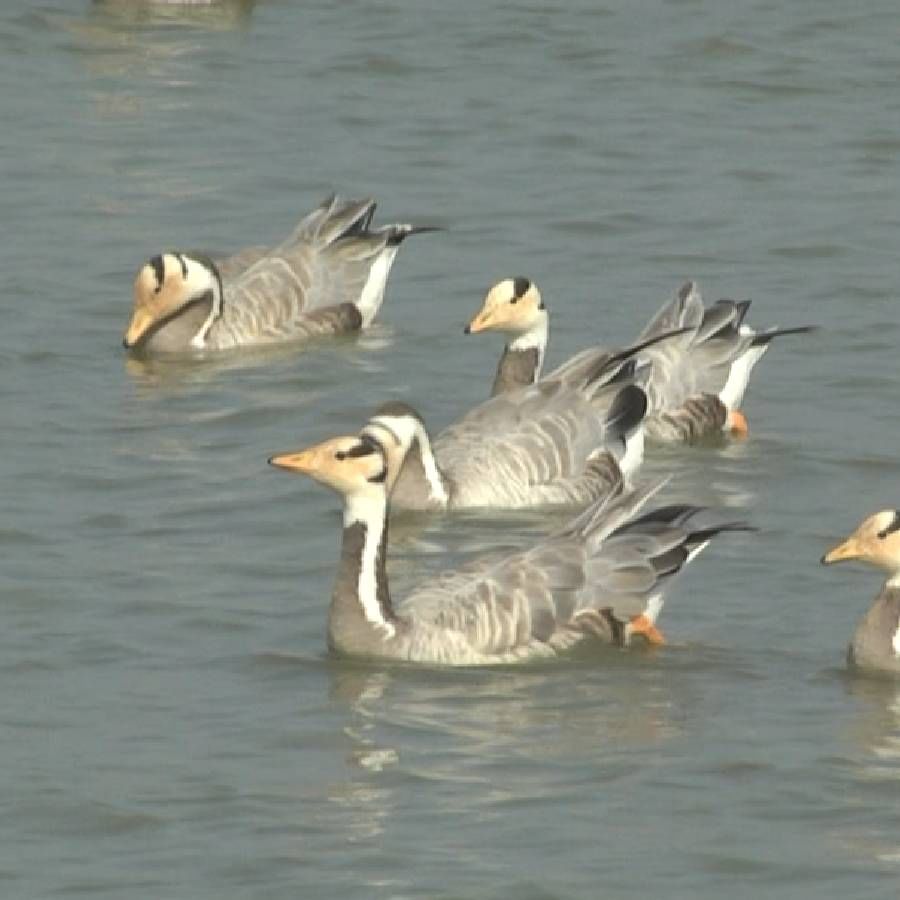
x,y
699,359
548,444
327,278
875,645
601,577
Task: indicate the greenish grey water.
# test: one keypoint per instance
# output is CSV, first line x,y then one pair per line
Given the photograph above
x,y
171,724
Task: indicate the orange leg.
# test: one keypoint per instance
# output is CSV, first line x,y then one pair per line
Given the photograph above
x,y
737,424
643,626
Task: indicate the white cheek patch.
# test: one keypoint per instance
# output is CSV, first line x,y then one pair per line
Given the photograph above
x,y
895,641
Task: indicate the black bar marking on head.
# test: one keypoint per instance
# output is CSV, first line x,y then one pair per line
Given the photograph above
x,y
520,287
159,270
366,447
894,526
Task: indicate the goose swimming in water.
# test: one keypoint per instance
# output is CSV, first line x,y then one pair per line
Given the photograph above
x,y
552,443
876,642
696,382
327,278
600,577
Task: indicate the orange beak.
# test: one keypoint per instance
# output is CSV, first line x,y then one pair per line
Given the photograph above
x,y
141,323
305,461
481,321
849,549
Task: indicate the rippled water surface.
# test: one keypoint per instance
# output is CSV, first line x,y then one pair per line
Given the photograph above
x,y
171,724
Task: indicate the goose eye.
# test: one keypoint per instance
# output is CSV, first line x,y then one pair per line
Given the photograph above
x,y
340,455
514,299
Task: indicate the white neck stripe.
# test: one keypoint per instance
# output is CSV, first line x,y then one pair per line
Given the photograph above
x,y
432,474
369,510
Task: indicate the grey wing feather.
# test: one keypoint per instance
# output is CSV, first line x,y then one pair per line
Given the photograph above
x,y
696,362
603,569
684,310
507,609
234,265
326,262
524,447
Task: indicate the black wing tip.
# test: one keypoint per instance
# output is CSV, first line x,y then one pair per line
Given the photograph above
x,y
765,337
401,232
724,528
617,358
628,409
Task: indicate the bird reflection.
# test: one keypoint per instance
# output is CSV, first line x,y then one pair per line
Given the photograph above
x,y
360,351
579,710
209,13
112,41
876,731
878,727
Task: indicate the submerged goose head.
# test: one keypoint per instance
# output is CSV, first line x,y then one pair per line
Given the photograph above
x,y
513,306
177,298
875,541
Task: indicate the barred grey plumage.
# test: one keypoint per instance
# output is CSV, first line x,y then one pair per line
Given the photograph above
x,y
600,577
552,443
328,277
698,364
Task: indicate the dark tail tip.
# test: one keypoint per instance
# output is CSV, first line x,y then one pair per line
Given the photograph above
x,y
627,411
402,232
467,329
766,336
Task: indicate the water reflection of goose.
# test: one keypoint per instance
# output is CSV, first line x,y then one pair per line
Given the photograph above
x,y
210,13
874,770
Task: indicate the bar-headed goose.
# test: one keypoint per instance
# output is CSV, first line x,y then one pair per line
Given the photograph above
x,y
600,577
876,642
697,377
548,444
327,278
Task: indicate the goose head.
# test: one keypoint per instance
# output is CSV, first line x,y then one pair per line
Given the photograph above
x,y
177,297
876,541
397,428
354,466
400,431
513,306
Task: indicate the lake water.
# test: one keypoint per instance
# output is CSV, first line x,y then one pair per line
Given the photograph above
x,y
171,724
